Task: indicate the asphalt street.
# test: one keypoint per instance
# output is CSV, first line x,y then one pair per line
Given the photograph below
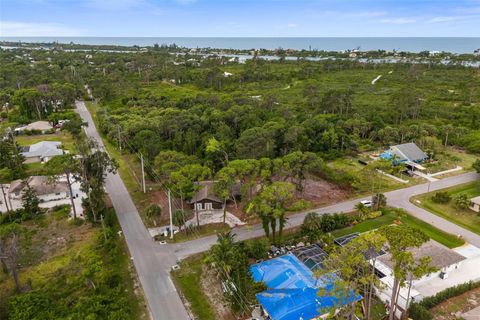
x,y
153,261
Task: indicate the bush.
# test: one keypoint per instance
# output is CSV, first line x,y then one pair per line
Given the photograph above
x,y
461,201
257,248
374,214
330,222
379,201
441,197
443,295
419,312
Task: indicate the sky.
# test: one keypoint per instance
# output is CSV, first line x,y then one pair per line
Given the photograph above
x,y
240,18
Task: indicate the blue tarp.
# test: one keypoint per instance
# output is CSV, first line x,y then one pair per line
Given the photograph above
x,y
291,289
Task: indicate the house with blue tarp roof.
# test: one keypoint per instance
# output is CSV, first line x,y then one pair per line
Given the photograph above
x,y
291,289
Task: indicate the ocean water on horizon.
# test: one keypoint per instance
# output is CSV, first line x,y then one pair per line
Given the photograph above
x,y
455,45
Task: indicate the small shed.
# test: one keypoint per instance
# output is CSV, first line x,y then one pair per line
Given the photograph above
x,y
475,204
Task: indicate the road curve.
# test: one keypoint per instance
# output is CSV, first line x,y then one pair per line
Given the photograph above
x,y
398,198
152,261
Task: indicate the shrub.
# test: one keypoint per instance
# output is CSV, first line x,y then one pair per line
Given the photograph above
x,y
461,201
419,312
257,248
441,197
374,214
443,295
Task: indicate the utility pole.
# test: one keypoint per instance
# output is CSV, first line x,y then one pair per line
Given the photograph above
x,y
119,140
170,212
143,174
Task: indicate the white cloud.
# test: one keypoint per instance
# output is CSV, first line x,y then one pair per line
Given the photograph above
x,y
441,19
292,25
398,20
33,29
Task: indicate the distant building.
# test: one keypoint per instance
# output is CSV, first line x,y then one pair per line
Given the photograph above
x,y
405,153
45,189
42,151
475,204
42,126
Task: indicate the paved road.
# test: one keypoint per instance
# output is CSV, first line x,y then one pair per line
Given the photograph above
x,y
152,260
398,198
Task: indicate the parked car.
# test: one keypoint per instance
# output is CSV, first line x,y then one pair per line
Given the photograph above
x,y
367,203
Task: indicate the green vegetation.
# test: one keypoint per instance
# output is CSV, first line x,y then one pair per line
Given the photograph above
x,y
395,216
188,280
70,269
64,137
453,210
195,232
421,310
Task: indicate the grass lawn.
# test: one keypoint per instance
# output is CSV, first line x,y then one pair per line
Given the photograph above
x,y
64,137
363,185
463,217
202,231
448,240
450,158
187,280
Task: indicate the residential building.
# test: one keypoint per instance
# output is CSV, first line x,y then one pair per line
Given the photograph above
x,y
405,153
45,189
292,290
205,198
42,151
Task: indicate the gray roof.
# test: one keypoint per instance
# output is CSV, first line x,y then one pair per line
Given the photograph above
x,y
40,184
43,149
441,256
206,192
409,151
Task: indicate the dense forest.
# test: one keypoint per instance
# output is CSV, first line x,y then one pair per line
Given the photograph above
x,y
255,109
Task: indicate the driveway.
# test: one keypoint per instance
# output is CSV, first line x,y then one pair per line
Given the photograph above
x,y
398,198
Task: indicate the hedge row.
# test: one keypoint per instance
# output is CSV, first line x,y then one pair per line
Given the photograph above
x,y
421,310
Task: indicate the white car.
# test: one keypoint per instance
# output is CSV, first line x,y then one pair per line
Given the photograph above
x,y
366,203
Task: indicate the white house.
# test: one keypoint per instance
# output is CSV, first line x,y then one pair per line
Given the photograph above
x,y
42,126
42,151
44,189
475,204
446,261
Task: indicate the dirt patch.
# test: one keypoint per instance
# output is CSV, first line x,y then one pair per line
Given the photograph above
x,y
50,238
321,192
454,307
212,288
